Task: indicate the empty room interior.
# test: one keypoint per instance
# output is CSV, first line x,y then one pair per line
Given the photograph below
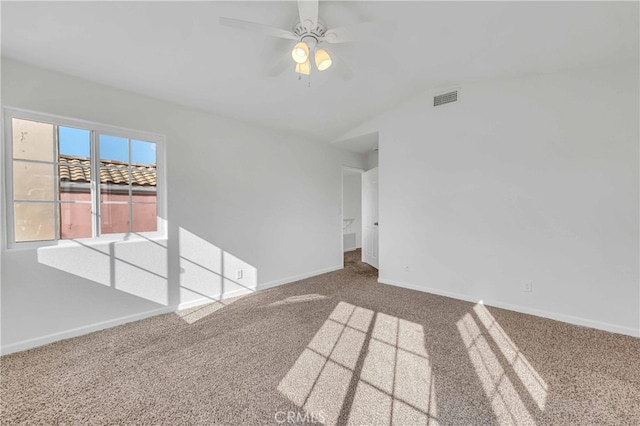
x,y
320,212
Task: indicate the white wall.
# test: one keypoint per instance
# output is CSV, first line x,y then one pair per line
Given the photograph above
x,y
352,203
372,160
239,196
530,179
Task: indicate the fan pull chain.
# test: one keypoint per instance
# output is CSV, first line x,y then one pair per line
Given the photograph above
x,y
309,83
300,78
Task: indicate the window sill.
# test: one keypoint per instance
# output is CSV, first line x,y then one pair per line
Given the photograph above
x,y
159,238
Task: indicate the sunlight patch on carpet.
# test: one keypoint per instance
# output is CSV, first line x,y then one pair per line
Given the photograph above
x,y
298,299
393,380
535,384
191,315
496,378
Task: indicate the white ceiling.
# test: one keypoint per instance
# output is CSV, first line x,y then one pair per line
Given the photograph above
x,y
363,143
178,51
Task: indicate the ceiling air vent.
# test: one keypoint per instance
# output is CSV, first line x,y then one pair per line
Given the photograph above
x,y
445,98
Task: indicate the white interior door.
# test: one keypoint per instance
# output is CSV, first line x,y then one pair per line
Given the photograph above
x,y
370,217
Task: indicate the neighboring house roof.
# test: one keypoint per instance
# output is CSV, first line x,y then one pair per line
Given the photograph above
x,y
77,169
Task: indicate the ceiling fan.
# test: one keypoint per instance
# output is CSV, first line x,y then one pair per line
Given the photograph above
x,y
311,36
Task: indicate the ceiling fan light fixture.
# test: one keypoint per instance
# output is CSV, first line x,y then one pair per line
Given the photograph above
x,y
304,68
323,60
300,52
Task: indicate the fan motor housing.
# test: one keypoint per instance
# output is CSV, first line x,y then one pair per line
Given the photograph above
x,y
304,31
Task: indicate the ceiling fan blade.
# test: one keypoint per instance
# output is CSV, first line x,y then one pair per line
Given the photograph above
x,y
281,65
342,70
362,31
308,12
252,26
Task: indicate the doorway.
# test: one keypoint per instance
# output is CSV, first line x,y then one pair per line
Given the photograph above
x,y
351,209
360,214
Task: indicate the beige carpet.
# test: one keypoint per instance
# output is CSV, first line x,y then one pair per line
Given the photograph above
x,y
337,348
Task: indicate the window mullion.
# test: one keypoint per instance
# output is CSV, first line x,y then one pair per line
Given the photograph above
x,y
31,225
130,191
95,183
57,232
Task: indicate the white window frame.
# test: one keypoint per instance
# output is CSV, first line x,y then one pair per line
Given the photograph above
x,y
96,129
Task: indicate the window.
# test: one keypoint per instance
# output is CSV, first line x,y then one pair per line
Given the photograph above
x,y
69,179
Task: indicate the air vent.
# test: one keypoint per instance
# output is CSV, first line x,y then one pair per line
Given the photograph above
x,y
445,98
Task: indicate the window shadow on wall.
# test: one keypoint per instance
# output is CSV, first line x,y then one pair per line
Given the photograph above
x,y
210,274
138,266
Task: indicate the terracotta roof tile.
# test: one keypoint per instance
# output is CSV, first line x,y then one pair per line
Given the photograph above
x,y
77,169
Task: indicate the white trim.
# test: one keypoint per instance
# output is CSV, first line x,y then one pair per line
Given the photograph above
x,y
352,169
4,237
295,278
75,122
570,319
96,129
342,174
213,299
264,286
79,331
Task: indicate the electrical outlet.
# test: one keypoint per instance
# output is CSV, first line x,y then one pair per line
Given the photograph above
x,y
407,268
527,286
239,274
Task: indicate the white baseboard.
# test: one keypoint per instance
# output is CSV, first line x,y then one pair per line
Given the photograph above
x,y
288,280
206,300
79,331
584,322
263,286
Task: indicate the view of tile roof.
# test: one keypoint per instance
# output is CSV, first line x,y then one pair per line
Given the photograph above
x,y
77,169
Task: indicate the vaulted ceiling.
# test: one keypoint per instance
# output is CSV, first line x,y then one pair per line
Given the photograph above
x,y
179,52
